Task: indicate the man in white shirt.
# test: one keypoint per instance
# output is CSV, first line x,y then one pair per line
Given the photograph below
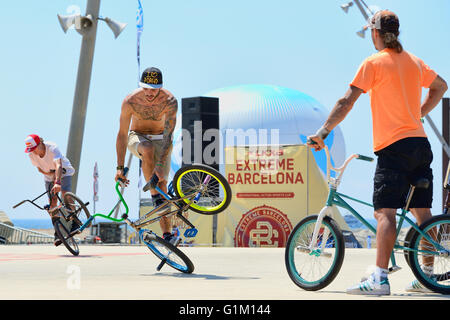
x,y
55,167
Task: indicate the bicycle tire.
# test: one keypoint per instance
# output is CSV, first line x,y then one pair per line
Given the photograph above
x,y
64,235
83,212
158,245
439,280
407,243
214,199
303,231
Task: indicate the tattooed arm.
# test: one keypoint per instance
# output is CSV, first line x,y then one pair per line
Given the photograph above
x,y
339,112
169,126
122,137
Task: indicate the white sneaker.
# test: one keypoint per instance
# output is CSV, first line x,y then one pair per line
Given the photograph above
x,y
416,286
371,287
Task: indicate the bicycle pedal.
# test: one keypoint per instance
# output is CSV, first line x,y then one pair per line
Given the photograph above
x,y
177,242
163,262
394,269
75,232
148,236
190,233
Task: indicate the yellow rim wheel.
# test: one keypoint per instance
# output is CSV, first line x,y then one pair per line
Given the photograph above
x,y
191,181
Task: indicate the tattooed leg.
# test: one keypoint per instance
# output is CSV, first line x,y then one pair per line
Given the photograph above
x,y
147,151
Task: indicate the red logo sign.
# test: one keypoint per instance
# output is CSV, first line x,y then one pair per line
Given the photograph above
x,y
262,226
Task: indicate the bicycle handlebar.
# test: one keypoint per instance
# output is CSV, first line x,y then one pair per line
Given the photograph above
x,y
33,201
152,184
342,168
365,158
20,203
125,172
154,181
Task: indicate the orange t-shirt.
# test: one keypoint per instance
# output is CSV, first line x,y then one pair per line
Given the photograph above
x,y
394,82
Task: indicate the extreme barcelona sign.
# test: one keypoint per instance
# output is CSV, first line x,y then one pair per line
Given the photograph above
x,y
267,167
273,189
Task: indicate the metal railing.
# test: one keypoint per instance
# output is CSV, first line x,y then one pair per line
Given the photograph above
x,y
17,235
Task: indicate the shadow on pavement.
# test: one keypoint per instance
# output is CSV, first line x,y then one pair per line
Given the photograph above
x,y
199,276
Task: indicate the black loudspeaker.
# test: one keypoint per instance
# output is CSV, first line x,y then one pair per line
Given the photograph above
x,y
201,135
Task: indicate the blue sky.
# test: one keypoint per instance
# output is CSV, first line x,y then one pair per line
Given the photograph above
x,y
200,45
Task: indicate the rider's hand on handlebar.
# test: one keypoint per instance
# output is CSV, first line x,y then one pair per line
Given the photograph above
x,y
56,188
119,175
318,145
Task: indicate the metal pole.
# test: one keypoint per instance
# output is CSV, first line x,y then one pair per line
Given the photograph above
x,y
446,134
117,207
360,7
443,141
82,91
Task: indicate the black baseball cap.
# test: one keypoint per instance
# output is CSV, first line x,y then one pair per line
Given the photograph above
x,y
151,78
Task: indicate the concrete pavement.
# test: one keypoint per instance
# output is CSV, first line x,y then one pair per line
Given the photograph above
x,y
129,272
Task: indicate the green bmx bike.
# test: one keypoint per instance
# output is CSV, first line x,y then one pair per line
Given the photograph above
x,y
315,248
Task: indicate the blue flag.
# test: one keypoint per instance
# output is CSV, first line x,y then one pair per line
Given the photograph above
x,y
140,29
140,18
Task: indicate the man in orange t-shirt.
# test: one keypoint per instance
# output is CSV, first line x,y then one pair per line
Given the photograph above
x,y
394,79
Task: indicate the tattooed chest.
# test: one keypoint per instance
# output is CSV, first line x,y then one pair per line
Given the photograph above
x,y
147,112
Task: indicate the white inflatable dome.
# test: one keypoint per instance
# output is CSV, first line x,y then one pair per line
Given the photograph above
x,y
290,114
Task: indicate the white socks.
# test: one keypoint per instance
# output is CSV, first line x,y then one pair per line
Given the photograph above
x,y
380,273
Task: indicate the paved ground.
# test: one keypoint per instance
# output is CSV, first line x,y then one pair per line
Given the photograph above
x,y
129,272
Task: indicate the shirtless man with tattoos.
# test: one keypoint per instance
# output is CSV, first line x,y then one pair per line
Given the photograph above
x,y
152,111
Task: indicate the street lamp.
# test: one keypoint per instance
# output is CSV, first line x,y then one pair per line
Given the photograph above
x,y
86,26
362,32
83,23
346,6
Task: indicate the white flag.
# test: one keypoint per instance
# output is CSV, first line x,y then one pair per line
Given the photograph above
x,y
95,182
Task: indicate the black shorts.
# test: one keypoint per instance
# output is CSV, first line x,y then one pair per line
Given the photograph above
x,y
399,165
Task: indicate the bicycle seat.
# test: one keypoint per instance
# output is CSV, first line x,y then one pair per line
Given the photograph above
x,y
422,183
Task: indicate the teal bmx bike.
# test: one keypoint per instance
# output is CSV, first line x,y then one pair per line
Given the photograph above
x,y
315,248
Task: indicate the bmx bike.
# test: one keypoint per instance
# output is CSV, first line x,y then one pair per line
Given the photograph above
x,y
197,187
71,209
315,248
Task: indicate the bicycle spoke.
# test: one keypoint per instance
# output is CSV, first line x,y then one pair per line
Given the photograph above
x,y
192,182
313,266
434,262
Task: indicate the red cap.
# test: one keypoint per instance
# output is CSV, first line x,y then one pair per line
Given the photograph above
x,y
32,141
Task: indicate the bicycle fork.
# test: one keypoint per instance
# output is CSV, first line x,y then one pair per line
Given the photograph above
x,y
314,249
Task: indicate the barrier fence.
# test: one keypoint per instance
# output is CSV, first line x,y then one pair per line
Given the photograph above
x,y
17,235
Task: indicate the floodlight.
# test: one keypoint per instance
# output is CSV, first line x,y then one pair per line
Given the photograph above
x,y
346,6
115,26
67,21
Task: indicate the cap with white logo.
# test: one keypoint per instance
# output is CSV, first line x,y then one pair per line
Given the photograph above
x,y
31,142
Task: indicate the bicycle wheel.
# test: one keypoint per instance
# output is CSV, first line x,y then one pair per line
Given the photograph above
x,y
314,270
428,256
166,251
213,193
407,243
69,242
74,205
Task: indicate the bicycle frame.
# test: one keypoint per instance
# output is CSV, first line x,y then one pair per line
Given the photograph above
x,y
337,199
50,211
142,221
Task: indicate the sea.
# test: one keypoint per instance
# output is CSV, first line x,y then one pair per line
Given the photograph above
x,y
33,223
354,223
47,223
40,223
